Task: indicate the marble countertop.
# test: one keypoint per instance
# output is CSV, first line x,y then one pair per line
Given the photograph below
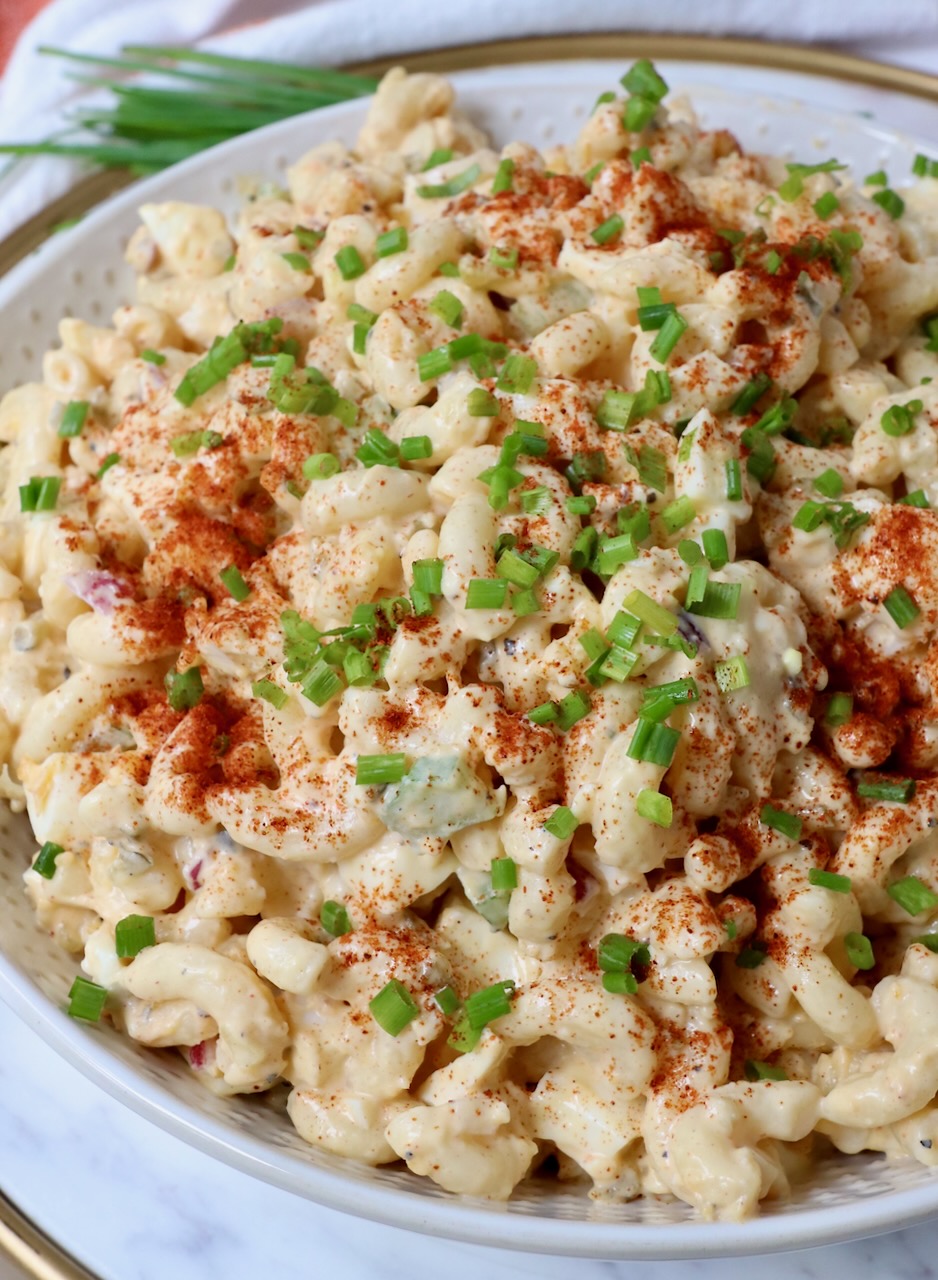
x,y
133,1203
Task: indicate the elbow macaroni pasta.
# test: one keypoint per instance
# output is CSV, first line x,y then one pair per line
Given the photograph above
x,y
588,500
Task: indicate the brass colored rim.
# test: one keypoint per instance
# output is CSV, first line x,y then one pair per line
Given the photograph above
x,y
39,1256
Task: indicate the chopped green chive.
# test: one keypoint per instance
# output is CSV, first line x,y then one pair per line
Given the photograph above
x,y
517,375
487,593
393,1007
689,552
484,1006
442,155
839,709
448,307
187,445
751,957
859,951
755,1070
184,689
428,576
504,176
447,1001
653,743
620,984
899,419
73,419
891,201
786,824
308,238
912,895
667,337
734,480
482,404
826,205
391,242
503,257
335,919
751,393
320,466
651,465
643,79
654,807
793,185
696,585
433,364
916,499
897,790
608,230
731,675
414,448
453,186
378,771
639,113
573,708
321,683
677,514
562,823
350,262
270,692
830,880
640,156
878,179
617,952
545,713
773,262
133,934
504,875
929,940
536,501
111,460
901,607
715,548
298,261
44,864
41,493
719,600
581,504
655,616
86,1000
234,583
830,483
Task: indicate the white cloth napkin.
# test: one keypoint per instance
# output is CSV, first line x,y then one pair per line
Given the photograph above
x,y
36,91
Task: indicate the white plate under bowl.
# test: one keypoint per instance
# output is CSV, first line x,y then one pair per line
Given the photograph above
x,y
82,273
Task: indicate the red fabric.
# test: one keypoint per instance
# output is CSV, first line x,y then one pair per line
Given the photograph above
x,y
14,15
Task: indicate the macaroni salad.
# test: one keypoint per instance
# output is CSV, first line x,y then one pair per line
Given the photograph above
x,y
469,652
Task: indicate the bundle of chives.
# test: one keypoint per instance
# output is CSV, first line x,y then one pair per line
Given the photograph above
x,y
152,125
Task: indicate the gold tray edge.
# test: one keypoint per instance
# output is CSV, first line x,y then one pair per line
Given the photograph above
x,y
32,1250
20,1239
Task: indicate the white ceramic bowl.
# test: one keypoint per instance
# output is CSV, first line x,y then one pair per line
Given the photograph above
x,y
82,273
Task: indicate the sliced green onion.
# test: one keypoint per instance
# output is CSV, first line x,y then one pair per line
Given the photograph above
x,y
755,1070
73,418
487,593
773,262
639,113
640,156
428,576
696,585
751,957
133,934
321,684
878,179
653,743
929,940
581,504
651,465
298,261
482,404
307,238
376,450
668,337
414,448
111,460
86,1000
186,445
433,364
912,895
448,307
484,1006
613,552
786,824
839,709
390,242
562,823
897,790
518,374
715,548
503,257
793,185
545,713
620,984
891,201
617,952
830,880
441,155
537,501
826,205
234,583
859,951
350,262
608,230
270,692
901,607
731,675
335,919
447,1001
320,466
393,1007
916,499
654,615
40,493
689,552
654,807
753,391
453,186
574,707
720,600
44,864
642,78
504,176
898,420
623,630
184,689
504,875
379,770
830,483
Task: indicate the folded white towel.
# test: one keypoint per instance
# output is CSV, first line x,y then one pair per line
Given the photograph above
x,y
36,91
